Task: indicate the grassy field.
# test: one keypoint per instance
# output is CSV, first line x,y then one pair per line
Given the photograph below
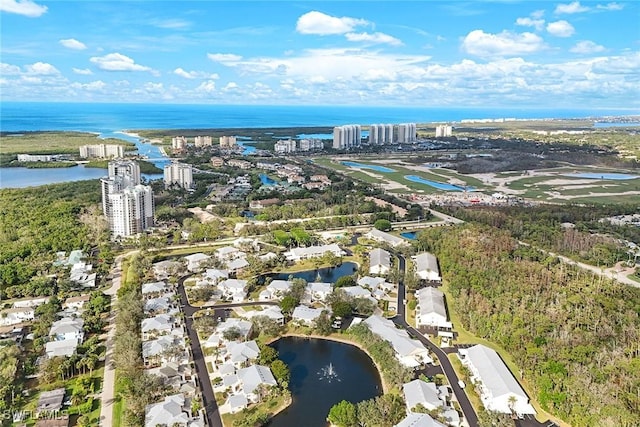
x,y
398,175
52,142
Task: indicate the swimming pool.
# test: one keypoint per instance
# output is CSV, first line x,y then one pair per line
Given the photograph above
x,y
372,167
434,184
595,175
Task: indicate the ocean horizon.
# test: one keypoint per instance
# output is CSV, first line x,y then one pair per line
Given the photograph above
x,y
110,117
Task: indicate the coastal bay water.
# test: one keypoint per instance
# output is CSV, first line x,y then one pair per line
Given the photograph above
x,y
355,378
110,120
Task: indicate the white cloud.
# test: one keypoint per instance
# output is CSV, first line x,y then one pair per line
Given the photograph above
x,y
231,86
506,43
560,29
73,44
9,70
537,14
22,7
95,86
315,22
224,57
586,46
373,38
171,24
610,6
117,62
82,71
571,8
208,86
194,74
41,69
530,22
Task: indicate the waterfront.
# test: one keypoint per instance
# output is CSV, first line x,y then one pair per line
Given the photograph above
x,y
315,387
327,274
25,177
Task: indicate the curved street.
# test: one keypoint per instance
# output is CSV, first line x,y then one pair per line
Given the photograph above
x,y
445,363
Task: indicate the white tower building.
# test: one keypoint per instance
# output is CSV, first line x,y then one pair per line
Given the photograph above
x,y
178,174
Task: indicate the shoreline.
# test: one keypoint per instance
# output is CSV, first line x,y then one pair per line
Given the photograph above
x,y
385,387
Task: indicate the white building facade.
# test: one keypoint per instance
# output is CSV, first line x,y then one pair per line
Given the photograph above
x,y
179,174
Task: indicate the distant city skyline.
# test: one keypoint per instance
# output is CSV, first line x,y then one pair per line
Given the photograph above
x,y
493,53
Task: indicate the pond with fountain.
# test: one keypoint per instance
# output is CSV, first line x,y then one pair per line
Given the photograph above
x,y
327,274
323,373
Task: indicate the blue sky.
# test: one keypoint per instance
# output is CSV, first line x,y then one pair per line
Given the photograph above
x,y
421,53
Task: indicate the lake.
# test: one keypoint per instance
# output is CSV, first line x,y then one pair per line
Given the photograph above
x,y
372,167
24,177
595,175
327,274
314,388
435,184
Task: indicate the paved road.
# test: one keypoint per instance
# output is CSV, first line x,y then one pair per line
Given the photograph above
x,y
208,399
108,382
445,363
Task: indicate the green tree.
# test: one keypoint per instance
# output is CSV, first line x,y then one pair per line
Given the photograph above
x,y
382,224
345,281
341,309
287,304
267,355
343,414
280,372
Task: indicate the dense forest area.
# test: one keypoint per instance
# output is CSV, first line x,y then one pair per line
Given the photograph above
x,y
575,336
35,223
588,239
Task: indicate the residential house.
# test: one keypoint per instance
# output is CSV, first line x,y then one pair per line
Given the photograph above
x,y
161,324
195,261
317,291
306,315
358,292
163,304
272,312
376,284
162,349
498,389
275,290
423,393
228,253
411,353
14,316
76,303
240,353
379,262
419,420
154,289
173,411
431,310
50,402
427,267
81,275
217,338
237,265
297,254
252,377
63,348
165,269
384,237
234,289
30,302
215,275
264,203
67,328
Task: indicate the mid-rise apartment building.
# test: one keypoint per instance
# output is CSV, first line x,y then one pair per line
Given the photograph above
x,y
285,146
203,141
228,141
179,174
443,131
101,151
